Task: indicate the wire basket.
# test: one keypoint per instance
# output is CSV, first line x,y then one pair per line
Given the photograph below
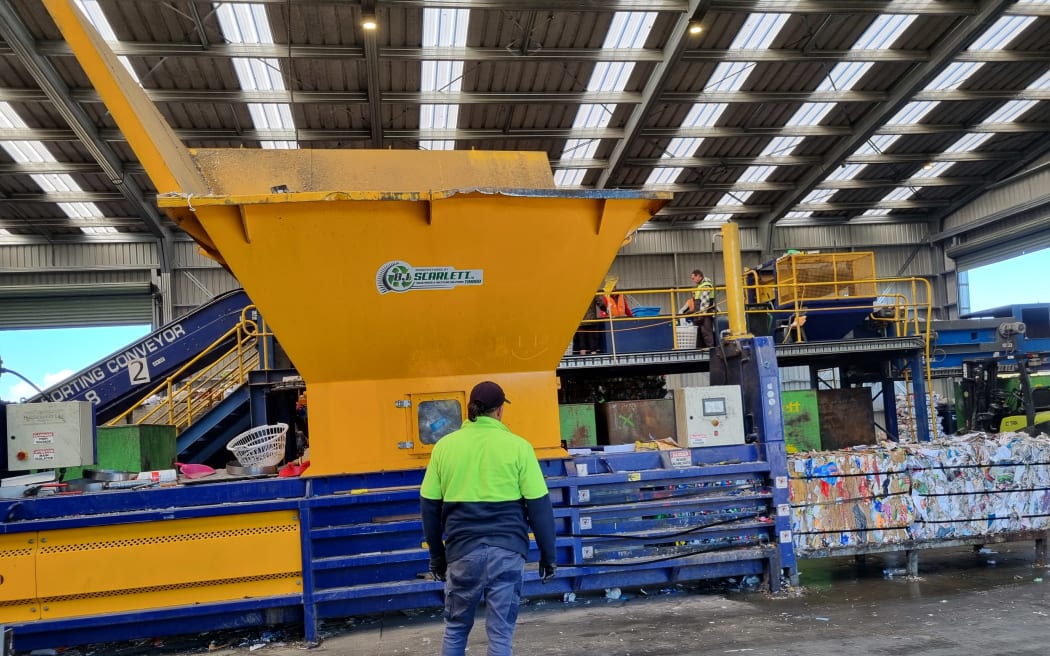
x,y
259,447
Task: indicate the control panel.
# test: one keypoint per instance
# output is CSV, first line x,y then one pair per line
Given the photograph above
x,y
709,416
50,435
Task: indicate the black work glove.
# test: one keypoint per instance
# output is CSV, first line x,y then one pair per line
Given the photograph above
x,y
438,567
547,571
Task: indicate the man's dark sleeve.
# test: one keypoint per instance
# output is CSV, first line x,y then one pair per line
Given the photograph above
x,y
430,509
541,519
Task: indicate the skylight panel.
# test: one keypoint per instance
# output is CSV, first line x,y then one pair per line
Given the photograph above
x,y
968,142
757,173
5,232
1004,31
884,32
248,23
912,113
442,28
1011,111
628,29
953,76
844,76
933,170
900,193
95,16
847,172
25,152
819,195
881,34
569,177
810,114
757,33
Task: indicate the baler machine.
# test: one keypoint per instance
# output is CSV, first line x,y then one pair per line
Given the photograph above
x,y
423,293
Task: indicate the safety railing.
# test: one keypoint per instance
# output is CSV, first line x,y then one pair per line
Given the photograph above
x,y
906,311
194,390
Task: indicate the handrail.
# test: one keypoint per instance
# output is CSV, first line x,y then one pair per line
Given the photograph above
x,y
911,312
187,398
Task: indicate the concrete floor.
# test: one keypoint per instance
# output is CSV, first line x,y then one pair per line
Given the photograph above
x,y
962,603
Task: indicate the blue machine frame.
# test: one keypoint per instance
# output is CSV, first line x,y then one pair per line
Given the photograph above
x,y
992,333
629,520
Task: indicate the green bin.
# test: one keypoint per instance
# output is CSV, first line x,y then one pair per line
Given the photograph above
x,y
577,425
136,448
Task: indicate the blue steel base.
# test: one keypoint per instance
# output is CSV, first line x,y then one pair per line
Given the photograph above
x,y
630,523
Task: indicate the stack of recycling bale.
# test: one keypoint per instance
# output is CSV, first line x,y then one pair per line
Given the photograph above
x,y
968,485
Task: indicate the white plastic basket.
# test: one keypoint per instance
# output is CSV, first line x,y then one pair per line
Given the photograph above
x,y
686,336
259,447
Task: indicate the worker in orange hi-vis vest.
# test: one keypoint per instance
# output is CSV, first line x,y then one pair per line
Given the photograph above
x,y
617,305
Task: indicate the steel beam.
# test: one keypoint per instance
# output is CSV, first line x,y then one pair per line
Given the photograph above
x,y
677,43
15,33
483,54
942,55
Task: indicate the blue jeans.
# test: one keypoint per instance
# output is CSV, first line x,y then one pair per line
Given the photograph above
x,y
497,573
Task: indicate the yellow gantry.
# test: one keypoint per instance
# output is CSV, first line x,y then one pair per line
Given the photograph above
x,y
391,278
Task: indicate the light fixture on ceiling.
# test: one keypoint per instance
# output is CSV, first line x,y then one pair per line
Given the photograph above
x,y
927,166
695,28
368,22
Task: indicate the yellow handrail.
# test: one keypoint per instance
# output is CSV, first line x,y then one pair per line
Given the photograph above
x,y
186,398
909,316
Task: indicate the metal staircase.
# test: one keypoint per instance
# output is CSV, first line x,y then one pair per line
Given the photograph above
x,y
207,405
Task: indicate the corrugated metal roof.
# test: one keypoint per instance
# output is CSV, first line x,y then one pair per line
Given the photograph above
x,y
526,67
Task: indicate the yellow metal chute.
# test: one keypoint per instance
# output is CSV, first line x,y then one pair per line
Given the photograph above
x,y
387,276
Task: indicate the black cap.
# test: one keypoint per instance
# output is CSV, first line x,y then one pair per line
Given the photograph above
x,y
489,395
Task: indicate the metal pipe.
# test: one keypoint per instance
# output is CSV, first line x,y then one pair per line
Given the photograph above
x,y
734,273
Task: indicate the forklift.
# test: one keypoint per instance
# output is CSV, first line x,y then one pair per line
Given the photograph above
x,y
994,403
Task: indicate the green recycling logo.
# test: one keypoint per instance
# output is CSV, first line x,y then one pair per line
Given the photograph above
x,y
394,276
399,276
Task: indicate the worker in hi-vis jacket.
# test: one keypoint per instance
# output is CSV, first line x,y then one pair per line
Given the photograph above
x,y
482,491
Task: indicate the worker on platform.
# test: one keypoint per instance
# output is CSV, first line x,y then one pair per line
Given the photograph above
x,y
481,492
703,304
588,337
617,306
795,330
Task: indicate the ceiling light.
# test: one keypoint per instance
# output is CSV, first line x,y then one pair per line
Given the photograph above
x,y
927,166
369,23
695,28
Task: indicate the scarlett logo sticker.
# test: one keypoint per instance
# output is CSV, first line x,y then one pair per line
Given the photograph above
x,y
398,276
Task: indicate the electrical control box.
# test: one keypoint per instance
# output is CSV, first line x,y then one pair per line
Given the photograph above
x,y
50,435
709,416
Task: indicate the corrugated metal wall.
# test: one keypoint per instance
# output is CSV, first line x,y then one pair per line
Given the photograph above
x,y
100,284
848,237
662,259
31,257
196,278
1007,221
56,285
